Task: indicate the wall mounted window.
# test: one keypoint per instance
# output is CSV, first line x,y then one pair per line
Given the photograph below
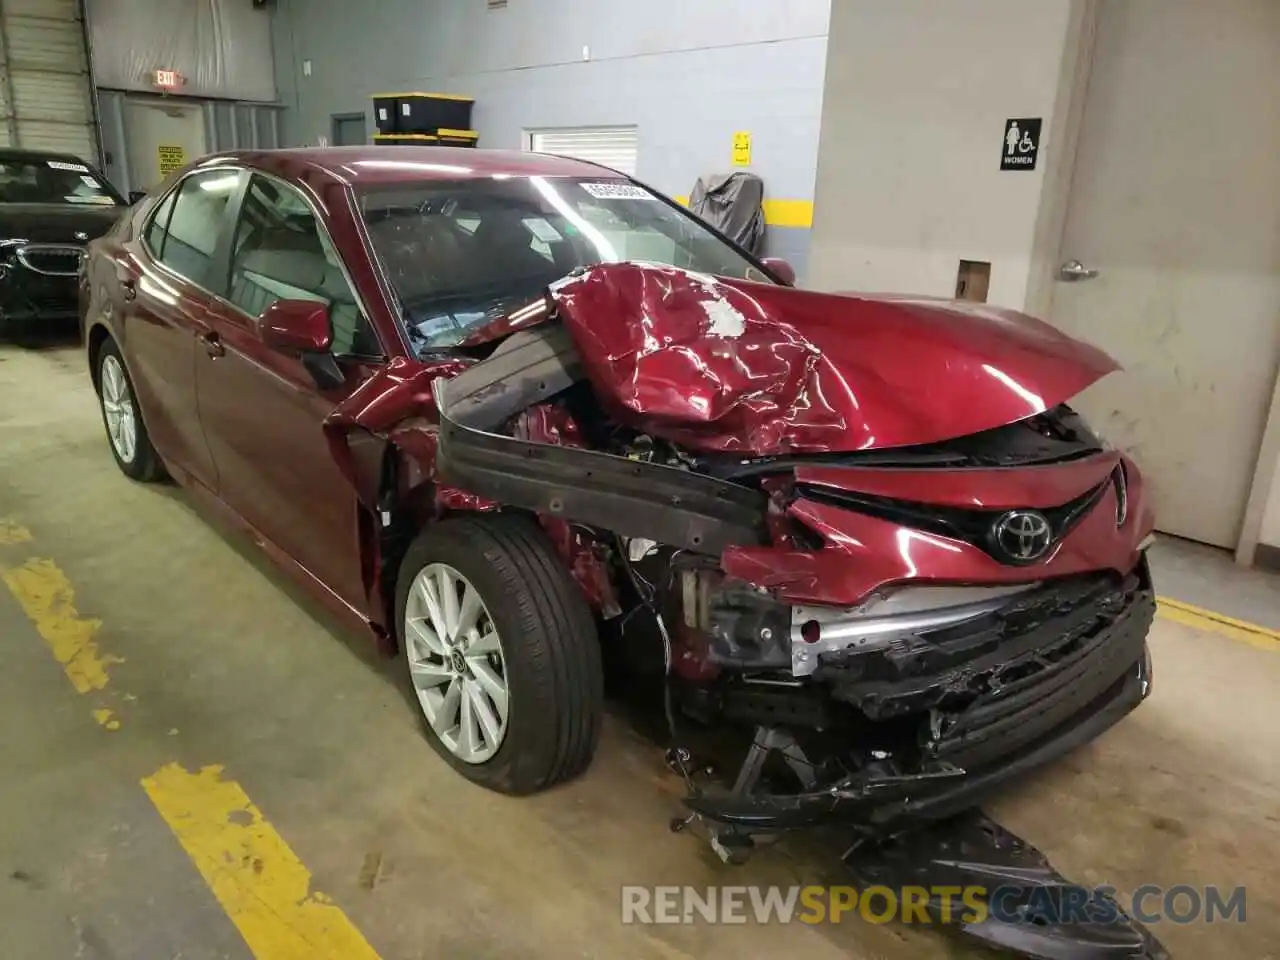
x,y
614,147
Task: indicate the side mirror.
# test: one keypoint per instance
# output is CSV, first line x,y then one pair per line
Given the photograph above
x,y
296,326
135,196
781,269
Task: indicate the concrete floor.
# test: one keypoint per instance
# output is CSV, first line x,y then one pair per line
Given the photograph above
x,y
224,664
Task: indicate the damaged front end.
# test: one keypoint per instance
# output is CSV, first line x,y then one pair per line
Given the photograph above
x,y
868,534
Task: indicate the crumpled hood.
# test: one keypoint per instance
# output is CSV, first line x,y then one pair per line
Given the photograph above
x,y
761,369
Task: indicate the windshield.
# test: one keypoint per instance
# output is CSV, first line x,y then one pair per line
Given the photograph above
x,y
463,253
39,180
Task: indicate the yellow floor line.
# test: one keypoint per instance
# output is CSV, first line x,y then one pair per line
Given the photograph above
x,y
1187,614
12,532
260,883
46,597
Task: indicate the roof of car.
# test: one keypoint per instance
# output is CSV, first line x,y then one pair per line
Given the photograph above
x,y
18,153
397,164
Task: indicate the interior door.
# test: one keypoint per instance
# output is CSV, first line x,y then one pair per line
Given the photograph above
x,y
1171,252
349,129
262,410
164,277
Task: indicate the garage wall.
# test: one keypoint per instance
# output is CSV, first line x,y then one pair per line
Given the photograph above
x,y
46,96
687,74
1260,542
914,107
132,159
221,48
1269,535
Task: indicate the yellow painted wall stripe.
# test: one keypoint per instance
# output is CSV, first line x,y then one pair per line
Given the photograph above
x,y
788,213
46,597
779,213
434,96
1190,615
260,883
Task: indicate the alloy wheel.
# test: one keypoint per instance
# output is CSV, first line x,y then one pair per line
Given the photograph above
x,y
456,663
117,407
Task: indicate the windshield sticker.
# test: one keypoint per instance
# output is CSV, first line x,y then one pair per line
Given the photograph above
x,y
88,181
63,165
617,190
542,230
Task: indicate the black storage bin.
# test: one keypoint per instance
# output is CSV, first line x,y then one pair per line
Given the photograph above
x,y
386,112
429,112
421,112
441,138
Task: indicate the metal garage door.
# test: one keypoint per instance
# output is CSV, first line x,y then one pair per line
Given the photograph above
x,y
45,89
615,147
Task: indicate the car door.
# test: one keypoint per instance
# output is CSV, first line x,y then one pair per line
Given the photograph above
x,y
164,275
262,410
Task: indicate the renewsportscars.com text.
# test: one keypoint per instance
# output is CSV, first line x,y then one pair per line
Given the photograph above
x,y
1148,904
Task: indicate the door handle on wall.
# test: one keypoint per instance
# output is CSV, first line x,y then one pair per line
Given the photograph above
x,y
213,345
1074,270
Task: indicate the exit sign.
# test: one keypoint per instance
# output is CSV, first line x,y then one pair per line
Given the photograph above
x,y
167,79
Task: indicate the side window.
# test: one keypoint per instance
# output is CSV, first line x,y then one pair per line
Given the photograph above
x,y
280,252
192,226
158,228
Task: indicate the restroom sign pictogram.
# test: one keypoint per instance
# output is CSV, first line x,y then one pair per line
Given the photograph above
x,y
1021,144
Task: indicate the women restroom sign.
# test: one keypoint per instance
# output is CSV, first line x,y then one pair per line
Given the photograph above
x,y
1021,144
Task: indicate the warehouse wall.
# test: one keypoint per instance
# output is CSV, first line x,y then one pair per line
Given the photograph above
x,y
225,124
221,48
909,180
1263,510
687,74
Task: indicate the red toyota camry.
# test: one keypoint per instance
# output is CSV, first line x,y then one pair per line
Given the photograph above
x,y
521,417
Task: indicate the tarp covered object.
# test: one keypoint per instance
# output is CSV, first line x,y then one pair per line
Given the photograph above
x,y
731,202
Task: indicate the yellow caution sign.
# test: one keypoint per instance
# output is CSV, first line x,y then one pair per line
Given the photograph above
x,y
742,149
171,158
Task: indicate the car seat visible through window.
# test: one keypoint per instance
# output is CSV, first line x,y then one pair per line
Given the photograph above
x,y
283,262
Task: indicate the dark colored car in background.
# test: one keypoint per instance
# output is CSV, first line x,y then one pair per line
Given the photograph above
x,y
520,416
51,206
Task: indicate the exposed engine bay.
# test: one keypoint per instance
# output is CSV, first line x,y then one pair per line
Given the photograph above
x,y
909,686
900,580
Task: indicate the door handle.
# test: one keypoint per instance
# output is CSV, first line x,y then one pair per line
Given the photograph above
x,y
213,345
129,288
1074,271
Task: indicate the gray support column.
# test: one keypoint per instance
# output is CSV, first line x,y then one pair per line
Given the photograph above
x,y
114,118
211,144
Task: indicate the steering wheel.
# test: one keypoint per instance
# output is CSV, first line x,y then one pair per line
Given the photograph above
x,y
383,214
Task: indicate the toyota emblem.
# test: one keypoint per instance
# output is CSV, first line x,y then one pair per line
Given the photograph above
x,y
1022,536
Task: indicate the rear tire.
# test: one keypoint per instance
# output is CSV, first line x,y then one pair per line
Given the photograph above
x,y
126,433
547,659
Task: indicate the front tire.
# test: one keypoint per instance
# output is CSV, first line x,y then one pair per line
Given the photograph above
x,y
126,433
501,652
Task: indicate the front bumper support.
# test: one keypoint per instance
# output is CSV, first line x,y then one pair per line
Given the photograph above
x,y
881,805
